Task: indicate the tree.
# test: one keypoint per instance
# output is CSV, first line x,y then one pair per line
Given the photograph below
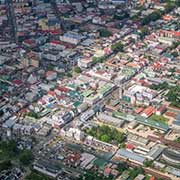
x,y
175,54
26,157
104,33
148,163
36,176
5,165
1,112
105,138
77,70
134,172
121,167
144,31
69,74
32,114
50,67
117,47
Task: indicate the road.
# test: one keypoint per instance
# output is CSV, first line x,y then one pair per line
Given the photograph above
x,y
12,20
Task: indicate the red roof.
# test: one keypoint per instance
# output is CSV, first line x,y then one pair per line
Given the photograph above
x,y
152,178
138,110
161,108
17,82
52,93
148,111
55,42
129,146
63,89
28,41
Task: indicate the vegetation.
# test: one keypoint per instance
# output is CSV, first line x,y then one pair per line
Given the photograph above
x,y
134,172
122,167
160,86
177,140
175,54
36,176
89,175
77,70
159,118
148,163
50,67
69,74
5,165
106,134
157,14
174,96
96,60
175,45
104,33
8,149
26,157
151,17
1,112
144,31
117,47
32,114
121,16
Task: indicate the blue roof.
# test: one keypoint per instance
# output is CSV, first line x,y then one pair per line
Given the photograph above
x,y
178,117
173,171
177,123
131,155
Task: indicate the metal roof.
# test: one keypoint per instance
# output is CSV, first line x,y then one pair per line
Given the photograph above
x,y
130,155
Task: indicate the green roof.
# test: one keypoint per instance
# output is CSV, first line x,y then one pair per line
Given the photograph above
x,y
142,120
105,88
87,93
72,86
152,123
76,104
100,163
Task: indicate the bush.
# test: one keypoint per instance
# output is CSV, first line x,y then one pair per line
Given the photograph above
x,y
117,47
106,134
36,176
5,165
26,157
104,33
77,70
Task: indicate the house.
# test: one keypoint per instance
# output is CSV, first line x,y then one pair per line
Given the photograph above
x,y
148,112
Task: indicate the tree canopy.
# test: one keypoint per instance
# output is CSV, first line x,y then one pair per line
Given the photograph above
x,y
106,134
26,157
117,47
77,70
104,33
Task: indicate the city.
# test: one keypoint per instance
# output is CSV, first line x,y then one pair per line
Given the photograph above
x,y
89,89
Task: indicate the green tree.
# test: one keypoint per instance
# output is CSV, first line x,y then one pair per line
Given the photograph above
x,y
134,172
117,47
105,138
5,165
104,33
36,176
77,70
144,31
121,167
33,114
26,157
50,67
69,74
1,112
148,163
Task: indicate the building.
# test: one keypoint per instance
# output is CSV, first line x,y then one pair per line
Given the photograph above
x,y
172,157
110,120
71,37
131,156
